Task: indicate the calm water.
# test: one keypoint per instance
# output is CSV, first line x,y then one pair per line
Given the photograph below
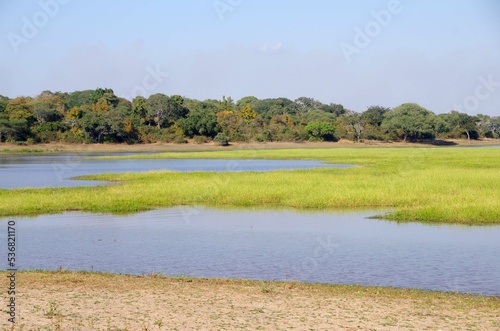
x,y
18,171
266,245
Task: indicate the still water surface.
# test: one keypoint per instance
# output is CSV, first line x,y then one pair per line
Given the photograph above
x,y
17,171
265,245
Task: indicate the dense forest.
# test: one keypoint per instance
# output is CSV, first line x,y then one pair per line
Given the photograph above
x,y
99,116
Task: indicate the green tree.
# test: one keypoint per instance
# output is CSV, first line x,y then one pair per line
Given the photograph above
x,y
139,110
374,115
20,119
20,109
306,104
318,115
409,120
199,122
249,100
157,107
279,106
49,100
78,98
14,130
320,131
176,108
124,107
3,103
489,126
107,94
45,114
353,124
463,122
48,131
103,126
334,108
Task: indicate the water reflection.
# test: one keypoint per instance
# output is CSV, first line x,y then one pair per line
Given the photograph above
x,y
17,171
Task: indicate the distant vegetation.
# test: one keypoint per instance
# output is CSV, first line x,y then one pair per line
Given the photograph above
x,y
99,116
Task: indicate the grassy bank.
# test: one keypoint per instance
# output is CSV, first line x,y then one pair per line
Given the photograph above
x,y
89,301
450,185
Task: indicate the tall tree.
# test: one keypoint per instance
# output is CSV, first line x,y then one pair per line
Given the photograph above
x,y
176,108
463,122
409,120
199,122
107,94
139,109
98,126
157,108
353,123
374,115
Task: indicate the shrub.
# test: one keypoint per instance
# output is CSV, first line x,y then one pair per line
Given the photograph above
x,y
180,140
200,139
221,139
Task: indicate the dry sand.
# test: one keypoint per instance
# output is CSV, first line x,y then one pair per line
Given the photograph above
x,y
76,301
192,147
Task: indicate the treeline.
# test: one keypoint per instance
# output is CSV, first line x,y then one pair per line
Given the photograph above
x,y
99,116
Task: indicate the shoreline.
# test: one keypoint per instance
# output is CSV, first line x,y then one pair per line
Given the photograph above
x,y
67,300
7,148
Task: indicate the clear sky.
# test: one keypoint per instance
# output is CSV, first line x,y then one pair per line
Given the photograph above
x,y
441,54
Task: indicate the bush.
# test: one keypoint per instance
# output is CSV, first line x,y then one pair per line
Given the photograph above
x,y
180,140
221,139
170,134
200,139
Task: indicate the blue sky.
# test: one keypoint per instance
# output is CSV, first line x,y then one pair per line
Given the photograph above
x,y
441,54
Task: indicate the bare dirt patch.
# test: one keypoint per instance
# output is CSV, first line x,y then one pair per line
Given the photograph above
x,y
82,301
193,147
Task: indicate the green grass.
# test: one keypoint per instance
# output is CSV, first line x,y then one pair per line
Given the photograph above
x,y
436,185
23,150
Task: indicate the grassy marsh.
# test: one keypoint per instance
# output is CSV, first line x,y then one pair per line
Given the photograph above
x,y
438,185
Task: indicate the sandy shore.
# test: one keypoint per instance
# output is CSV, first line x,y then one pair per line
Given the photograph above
x,y
82,301
192,147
